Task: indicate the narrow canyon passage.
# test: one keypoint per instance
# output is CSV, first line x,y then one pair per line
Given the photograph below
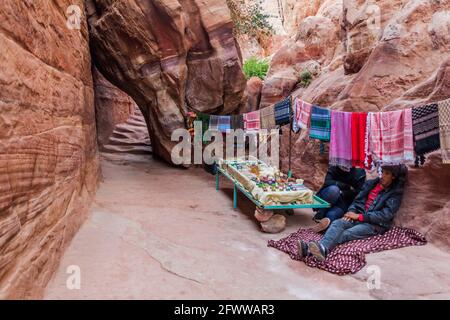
x,y
158,232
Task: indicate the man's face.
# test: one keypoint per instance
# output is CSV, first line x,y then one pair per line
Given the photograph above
x,y
386,179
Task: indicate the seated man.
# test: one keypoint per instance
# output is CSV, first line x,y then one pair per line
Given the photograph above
x,y
339,189
372,213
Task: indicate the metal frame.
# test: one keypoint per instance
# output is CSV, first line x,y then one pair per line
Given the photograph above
x,y
318,202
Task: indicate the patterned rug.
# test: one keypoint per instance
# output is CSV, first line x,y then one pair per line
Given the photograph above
x,y
349,258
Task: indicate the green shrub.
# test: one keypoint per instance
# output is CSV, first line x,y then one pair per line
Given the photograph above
x,y
305,78
256,68
248,18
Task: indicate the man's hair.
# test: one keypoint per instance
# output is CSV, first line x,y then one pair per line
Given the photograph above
x,y
400,172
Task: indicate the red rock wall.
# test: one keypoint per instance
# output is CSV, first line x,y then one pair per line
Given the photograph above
x,y
49,165
170,56
112,107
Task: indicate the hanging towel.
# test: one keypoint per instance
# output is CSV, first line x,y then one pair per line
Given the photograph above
x,y
252,121
214,123
444,129
268,118
425,130
204,118
341,139
302,115
320,124
391,137
237,122
283,112
359,126
224,123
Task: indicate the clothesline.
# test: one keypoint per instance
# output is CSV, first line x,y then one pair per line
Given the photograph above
x,y
357,139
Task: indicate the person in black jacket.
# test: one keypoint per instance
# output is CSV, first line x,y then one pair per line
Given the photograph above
x,y
372,213
339,189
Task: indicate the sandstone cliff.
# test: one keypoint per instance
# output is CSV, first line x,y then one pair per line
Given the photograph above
x,y
170,57
48,152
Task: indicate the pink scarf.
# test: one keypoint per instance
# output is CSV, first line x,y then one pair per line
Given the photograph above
x,y
302,115
252,121
390,137
341,139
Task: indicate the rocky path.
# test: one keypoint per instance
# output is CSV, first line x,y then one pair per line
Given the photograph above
x,y
157,232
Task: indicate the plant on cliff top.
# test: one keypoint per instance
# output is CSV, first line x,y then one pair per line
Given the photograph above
x,y
256,68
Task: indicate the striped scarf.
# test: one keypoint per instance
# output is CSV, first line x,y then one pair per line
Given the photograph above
x,y
302,115
391,137
237,122
444,129
252,121
320,124
283,112
268,118
426,130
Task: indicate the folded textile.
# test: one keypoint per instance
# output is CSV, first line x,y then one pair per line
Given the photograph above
x,y
349,258
302,115
444,129
341,139
425,130
268,118
283,112
301,196
320,124
391,137
252,121
237,122
359,127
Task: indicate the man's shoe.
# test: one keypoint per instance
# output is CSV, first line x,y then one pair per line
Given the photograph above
x,y
302,248
317,250
322,225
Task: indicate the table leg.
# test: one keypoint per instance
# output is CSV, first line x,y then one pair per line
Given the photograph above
x,y
235,197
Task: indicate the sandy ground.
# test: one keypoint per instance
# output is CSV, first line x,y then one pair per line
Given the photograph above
x,y
158,232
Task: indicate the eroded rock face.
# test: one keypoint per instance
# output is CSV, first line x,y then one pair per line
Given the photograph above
x,y
170,57
48,151
385,55
112,105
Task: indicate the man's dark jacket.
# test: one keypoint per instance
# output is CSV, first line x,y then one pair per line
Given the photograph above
x,y
382,212
350,183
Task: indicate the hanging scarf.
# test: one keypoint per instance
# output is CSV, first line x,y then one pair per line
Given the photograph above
x,y
214,123
237,122
341,139
391,137
283,112
320,124
224,123
302,115
359,126
268,118
444,129
425,130
204,119
252,121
